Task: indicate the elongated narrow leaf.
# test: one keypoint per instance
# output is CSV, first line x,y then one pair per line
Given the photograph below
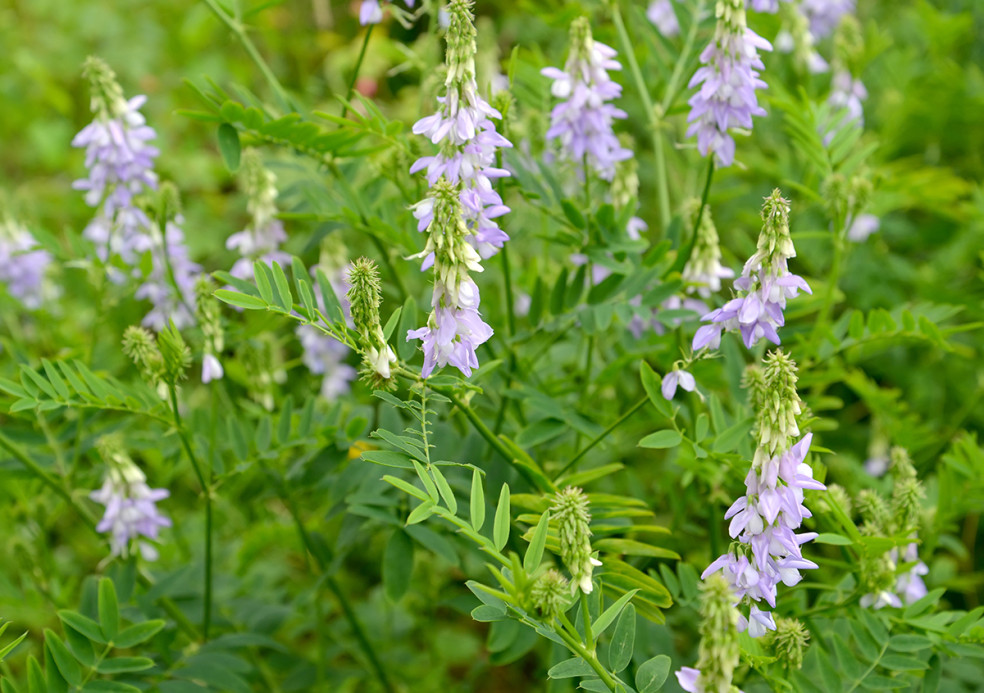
x,y
477,506
500,527
444,488
623,640
67,666
109,610
234,298
534,552
609,615
138,633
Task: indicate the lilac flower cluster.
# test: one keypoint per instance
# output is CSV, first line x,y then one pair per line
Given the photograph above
x,y
121,166
583,121
765,285
765,520
371,12
131,510
469,141
22,264
824,15
909,586
663,17
728,78
170,287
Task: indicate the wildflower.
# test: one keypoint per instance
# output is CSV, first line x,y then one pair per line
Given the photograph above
x,y
469,142
862,226
364,299
455,328
799,40
824,15
663,16
121,167
790,641
22,264
261,239
765,285
170,286
728,78
583,120
371,12
673,379
207,312
131,510
570,512
770,6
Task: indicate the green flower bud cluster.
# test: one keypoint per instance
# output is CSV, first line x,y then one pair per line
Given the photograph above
x,y
365,297
625,184
849,45
775,245
107,96
789,642
461,43
572,517
907,493
209,316
780,405
551,594
260,185
718,653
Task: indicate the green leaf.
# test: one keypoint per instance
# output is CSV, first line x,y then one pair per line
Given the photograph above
x,y
119,665
833,539
488,614
922,605
652,674
500,526
138,633
661,439
908,643
55,379
109,610
397,565
104,686
407,488
569,668
421,512
35,676
631,547
234,298
427,481
534,552
609,615
477,504
67,666
623,640
281,286
229,146
444,488
903,663
84,625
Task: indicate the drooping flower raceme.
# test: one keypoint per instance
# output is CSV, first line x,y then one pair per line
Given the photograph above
x,y
22,264
261,239
455,328
824,15
464,129
131,510
728,78
764,286
583,121
764,520
121,166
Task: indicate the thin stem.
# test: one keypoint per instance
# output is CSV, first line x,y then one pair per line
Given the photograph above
x,y
682,258
604,434
579,649
662,184
586,616
358,67
833,277
240,31
688,46
207,491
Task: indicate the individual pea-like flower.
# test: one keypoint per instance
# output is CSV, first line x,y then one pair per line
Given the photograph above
x,y
770,6
677,378
464,128
261,239
131,513
371,11
764,286
583,121
570,512
727,79
862,226
22,264
120,161
663,17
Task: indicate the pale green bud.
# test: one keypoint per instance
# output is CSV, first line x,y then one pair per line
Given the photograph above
x,y
789,642
209,316
551,594
260,185
835,494
141,347
753,381
107,100
719,651
875,513
175,353
837,195
572,517
365,297
849,45
625,184
460,39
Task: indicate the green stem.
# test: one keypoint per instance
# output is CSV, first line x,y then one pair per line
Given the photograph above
x,y
833,277
239,30
358,68
655,125
604,434
681,63
578,648
586,616
682,258
207,491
